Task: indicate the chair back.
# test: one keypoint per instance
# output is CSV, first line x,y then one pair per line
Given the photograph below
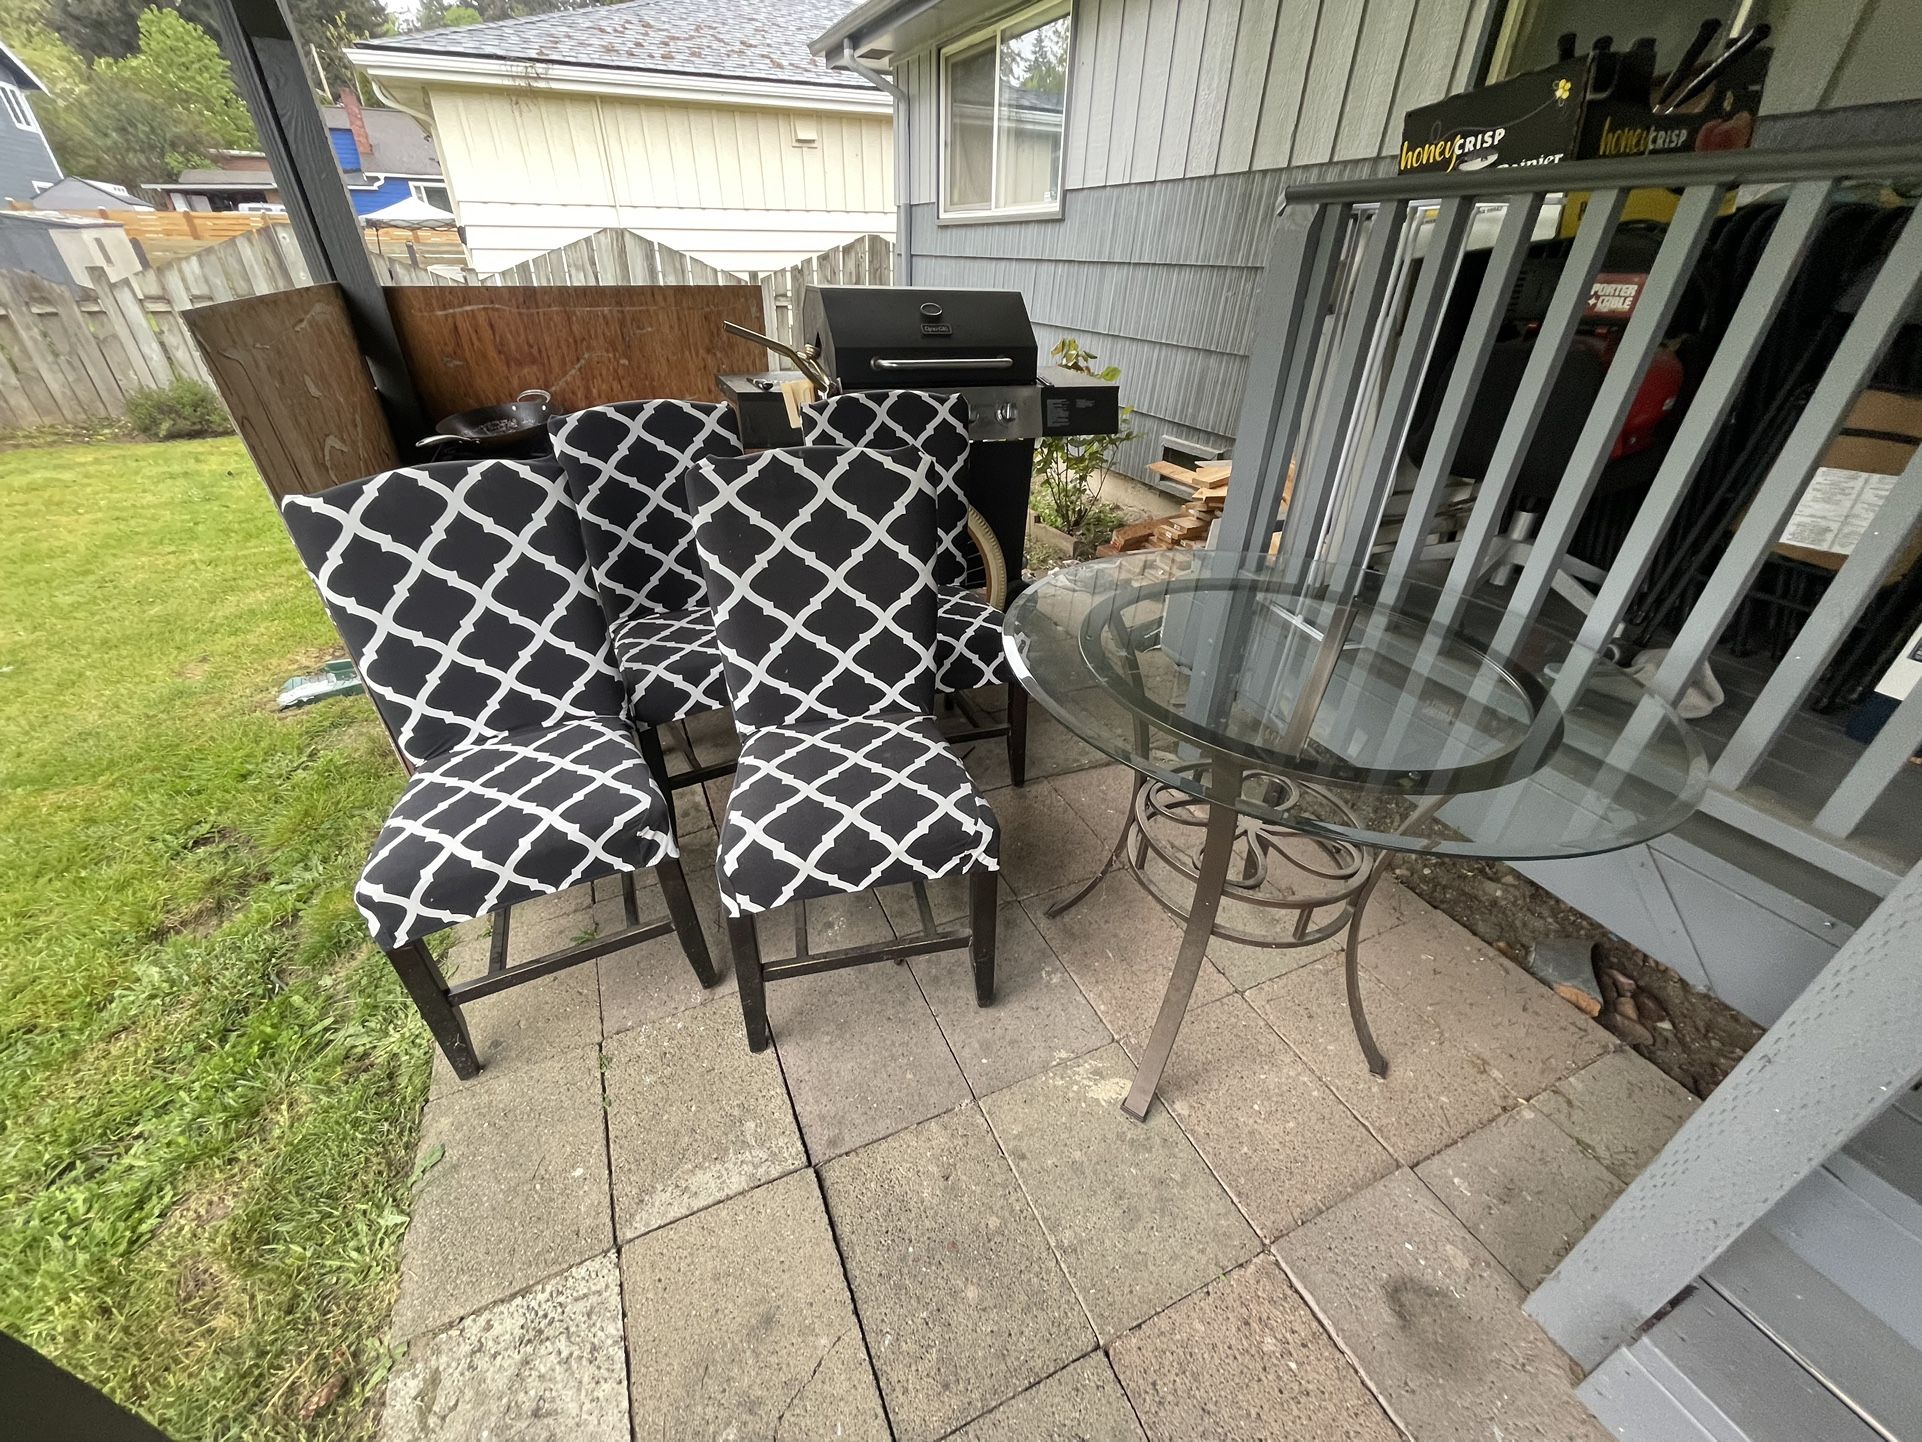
x,y
463,593
890,420
819,569
625,467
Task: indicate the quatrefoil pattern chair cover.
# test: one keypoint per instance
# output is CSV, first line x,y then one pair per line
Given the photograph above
x,y
819,569
967,635
625,466
463,593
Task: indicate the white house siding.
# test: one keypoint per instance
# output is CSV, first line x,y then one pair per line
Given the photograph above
x,y
531,170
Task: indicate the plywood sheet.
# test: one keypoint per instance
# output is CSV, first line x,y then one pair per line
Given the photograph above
x,y
292,376
470,346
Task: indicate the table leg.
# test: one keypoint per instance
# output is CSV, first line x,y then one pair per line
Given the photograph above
x,y
1377,1063
1216,851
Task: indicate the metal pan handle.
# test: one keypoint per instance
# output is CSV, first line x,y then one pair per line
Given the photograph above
x,y
937,363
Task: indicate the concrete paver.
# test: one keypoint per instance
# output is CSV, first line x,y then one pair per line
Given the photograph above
x,y
1434,1324
1524,1188
739,1325
1080,1403
542,1366
1621,1108
1132,1210
961,1298
530,1143
1243,1360
1278,1139
693,1117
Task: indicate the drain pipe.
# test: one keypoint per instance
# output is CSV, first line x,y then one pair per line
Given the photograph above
x,y
903,164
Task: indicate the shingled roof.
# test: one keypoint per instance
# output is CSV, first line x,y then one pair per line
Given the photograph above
x,y
735,39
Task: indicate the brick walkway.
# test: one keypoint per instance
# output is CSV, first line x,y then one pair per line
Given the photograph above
x,y
919,1219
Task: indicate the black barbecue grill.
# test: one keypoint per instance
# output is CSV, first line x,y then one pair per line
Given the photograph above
x,y
977,343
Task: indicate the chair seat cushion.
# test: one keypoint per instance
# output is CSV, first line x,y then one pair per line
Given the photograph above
x,y
504,821
967,643
670,664
835,807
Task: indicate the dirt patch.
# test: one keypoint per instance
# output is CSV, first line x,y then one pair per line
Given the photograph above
x,y
1694,1037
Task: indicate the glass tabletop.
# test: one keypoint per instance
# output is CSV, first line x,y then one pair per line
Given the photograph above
x,y
1346,703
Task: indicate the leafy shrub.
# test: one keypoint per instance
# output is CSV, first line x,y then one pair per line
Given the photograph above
x,y
1068,469
181,411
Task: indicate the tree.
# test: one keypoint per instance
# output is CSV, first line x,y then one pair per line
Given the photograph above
x,y
180,65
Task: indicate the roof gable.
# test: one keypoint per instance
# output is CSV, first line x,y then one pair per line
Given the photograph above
x,y
16,72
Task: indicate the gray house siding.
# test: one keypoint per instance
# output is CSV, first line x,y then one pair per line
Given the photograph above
x,y
24,158
1181,121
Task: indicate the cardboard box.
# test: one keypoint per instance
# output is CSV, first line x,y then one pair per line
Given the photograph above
x,y
1856,474
1547,116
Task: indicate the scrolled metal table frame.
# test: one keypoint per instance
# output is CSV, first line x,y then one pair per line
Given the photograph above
x,y
1354,878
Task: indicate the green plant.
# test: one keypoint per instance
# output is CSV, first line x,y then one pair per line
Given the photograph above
x,y
1068,470
185,409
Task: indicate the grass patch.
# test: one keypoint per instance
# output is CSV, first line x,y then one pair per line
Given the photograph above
x,y
209,1080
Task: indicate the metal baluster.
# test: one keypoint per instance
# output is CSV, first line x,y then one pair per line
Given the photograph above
x,y
1898,740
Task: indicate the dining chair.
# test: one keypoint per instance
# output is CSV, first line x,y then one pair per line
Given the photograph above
x,y
625,465
968,646
462,591
820,569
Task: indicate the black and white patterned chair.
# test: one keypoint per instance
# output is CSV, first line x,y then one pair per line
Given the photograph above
x,y
968,648
819,568
463,593
625,465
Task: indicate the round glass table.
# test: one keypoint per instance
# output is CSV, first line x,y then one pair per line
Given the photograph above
x,y
1309,722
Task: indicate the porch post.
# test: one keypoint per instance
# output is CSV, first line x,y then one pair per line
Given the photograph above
x,y
1837,1057
264,52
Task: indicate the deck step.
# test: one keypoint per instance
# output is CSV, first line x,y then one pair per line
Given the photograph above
x,y
1705,1371
1871,1369
1851,1240
1883,1166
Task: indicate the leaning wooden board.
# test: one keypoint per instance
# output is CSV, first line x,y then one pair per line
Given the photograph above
x,y
470,346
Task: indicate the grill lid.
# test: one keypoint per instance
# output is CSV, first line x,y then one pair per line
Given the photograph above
x,y
873,336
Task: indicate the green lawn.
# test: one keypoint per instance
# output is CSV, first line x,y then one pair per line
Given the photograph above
x,y
209,1080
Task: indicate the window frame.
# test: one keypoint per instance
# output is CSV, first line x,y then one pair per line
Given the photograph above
x,y
18,110
416,187
944,53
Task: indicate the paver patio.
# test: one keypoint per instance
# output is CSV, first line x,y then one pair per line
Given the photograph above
x,y
918,1219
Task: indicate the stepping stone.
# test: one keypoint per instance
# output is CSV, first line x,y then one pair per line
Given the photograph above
x,y
1621,1108
1433,1323
693,1117
1044,842
954,1279
543,1366
1134,1214
1243,1360
739,1325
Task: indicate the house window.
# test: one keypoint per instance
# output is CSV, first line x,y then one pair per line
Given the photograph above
x,y
18,111
435,195
1004,94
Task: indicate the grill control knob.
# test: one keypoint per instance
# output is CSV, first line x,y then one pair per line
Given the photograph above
x,y
1005,412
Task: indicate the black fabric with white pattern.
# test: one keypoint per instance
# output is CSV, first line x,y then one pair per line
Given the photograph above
x,y
968,650
625,466
462,591
818,568
505,821
920,420
670,663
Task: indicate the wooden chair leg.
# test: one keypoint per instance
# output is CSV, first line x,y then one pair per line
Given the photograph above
x,y
746,949
687,921
415,965
656,758
983,895
1017,734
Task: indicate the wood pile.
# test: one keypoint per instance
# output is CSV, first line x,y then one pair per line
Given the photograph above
x,y
1187,527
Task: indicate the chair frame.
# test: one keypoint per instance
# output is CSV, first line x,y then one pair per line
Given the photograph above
x,y
744,944
439,1001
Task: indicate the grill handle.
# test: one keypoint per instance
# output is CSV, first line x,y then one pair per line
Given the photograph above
x,y
938,363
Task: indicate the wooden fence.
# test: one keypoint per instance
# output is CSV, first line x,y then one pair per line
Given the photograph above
x,y
167,235
71,356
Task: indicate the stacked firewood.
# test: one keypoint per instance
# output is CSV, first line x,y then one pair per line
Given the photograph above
x,y
1187,527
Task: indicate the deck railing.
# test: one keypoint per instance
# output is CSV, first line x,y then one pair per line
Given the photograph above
x,y
1357,281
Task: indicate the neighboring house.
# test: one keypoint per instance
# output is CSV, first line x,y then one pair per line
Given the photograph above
x,y
707,127
385,156
237,178
77,193
66,247
1121,164
26,160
